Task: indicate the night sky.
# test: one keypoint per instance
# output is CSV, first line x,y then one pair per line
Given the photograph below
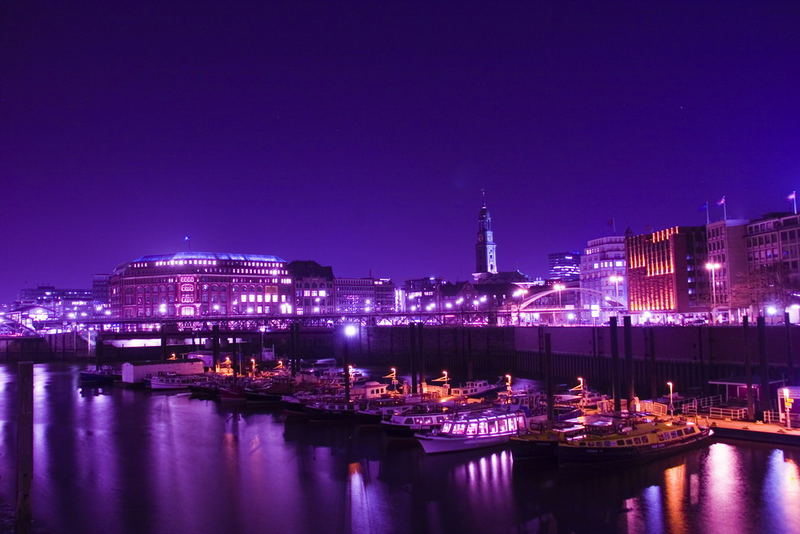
x,y
360,134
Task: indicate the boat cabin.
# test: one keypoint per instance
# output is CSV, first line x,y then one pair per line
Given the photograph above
x,y
504,424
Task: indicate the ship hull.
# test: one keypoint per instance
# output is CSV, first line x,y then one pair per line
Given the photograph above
x,y
438,445
640,453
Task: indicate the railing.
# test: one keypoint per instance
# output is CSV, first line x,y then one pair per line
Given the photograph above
x,y
654,407
771,416
701,404
727,413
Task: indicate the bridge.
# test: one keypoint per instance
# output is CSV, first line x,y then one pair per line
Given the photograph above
x,y
543,307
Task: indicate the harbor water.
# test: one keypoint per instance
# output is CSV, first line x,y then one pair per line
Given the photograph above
x,y
125,461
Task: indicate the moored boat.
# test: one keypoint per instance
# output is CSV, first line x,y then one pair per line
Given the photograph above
x,y
473,431
173,381
99,376
630,439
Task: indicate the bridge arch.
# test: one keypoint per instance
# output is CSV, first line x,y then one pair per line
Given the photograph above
x,y
608,302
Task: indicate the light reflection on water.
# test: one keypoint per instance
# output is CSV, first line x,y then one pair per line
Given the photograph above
x,y
129,461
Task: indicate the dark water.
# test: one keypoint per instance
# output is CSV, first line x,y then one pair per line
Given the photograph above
x,y
132,462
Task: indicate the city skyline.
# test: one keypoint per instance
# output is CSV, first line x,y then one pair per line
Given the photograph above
x,y
391,131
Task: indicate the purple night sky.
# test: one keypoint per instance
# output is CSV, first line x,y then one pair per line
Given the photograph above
x,y
361,134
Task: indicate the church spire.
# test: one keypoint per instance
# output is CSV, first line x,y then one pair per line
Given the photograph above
x,y
485,248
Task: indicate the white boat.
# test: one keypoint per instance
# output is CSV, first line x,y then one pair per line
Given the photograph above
x,y
475,388
172,381
473,431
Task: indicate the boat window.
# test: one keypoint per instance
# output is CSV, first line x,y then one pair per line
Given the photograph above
x,y
689,430
458,428
674,434
582,444
629,441
521,421
493,427
428,421
620,442
483,428
472,429
409,421
637,441
607,443
661,437
446,427
503,425
512,425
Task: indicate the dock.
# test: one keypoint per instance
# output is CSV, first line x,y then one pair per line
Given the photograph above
x,y
749,431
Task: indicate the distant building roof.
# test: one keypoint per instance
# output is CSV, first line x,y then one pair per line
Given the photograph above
x,y
207,256
309,269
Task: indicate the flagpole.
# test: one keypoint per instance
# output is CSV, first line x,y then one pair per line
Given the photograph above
x,y
725,210
708,212
794,201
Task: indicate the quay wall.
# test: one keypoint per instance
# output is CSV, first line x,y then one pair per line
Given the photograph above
x,y
690,355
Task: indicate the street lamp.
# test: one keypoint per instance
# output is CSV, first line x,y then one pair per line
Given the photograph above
x,y
671,406
559,288
713,267
349,330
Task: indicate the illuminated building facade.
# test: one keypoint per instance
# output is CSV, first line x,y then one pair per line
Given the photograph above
x,y
564,266
314,290
364,295
603,269
198,284
727,264
666,270
773,259
423,293
56,303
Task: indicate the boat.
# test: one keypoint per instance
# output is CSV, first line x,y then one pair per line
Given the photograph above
x,y
173,381
261,396
540,439
473,431
231,394
408,420
99,376
476,388
327,410
608,439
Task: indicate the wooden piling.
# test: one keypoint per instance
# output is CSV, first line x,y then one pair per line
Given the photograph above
x,y
24,513
346,367
615,387
548,377
215,344
412,356
748,370
164,349
763,395
627,332
787,326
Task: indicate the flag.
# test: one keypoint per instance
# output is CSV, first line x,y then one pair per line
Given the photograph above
x,y
703,206
721,202
792,196
186,237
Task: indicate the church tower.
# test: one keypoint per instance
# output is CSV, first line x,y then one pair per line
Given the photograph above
x,y
485,249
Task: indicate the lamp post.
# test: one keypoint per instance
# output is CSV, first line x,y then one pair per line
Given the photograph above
x,y
350,330
559,288
713,266
671,406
